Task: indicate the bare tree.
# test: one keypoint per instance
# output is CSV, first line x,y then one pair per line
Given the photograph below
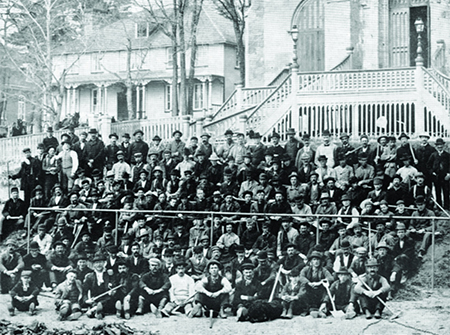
x,y
234,10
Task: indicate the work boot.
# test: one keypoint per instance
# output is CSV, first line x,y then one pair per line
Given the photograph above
x,y
283,315
74,316
239,314
127,315
350,313
197,311
368,315
118,313
377,314
222,314
32,309
289,314
11,311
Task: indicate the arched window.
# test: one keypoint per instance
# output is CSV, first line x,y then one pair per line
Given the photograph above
x,y
309,18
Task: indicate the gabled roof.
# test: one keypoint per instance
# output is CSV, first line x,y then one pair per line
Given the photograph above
x,y
212,29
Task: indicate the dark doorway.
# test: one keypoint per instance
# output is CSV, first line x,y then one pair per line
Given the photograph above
x,y
414,14
122,110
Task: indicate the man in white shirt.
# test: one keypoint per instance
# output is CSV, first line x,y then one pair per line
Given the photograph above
x,y
43,239
182,290
326,149
69,165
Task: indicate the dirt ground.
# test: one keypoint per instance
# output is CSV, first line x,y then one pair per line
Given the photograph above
x,y
429,312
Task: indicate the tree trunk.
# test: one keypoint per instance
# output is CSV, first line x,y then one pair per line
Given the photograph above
x,y
174,96
239,33
197,9
129,84
182,46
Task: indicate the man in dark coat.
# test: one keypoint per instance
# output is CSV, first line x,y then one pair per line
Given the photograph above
x,y
24,295
13,214
423,153
29,174
138,145
50,140
246,291
95,152
439,167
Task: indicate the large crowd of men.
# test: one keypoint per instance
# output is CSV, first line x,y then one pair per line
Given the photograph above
x,y
96,245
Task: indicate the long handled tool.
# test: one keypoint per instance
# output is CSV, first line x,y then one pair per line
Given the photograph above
x,y
395,315
334,312
277,278
188,300
106,293
211,320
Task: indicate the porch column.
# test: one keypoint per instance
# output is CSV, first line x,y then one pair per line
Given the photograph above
x,y
72,101
106,100
199,126
239,97
144,102
210,107
137,102
419,126
205,98
355,122
186,126
242,126
105,126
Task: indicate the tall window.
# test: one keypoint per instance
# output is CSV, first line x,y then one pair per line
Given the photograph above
x,y
169,57
21,108
96,62
142,29
96,101
168,98
198,96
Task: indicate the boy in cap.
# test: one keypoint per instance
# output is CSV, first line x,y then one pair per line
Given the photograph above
x,y
24,295
213,291
378,287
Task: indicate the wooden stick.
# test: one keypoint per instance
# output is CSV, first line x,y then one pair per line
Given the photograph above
x,y
370,237
79,228
211,318
277,278
106,293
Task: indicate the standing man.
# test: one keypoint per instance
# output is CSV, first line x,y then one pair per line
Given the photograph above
x,y
69,165
176,146
50,140
29,174
439,166
224,150
111,151
293,145
95,153
423,154
138,145
326,149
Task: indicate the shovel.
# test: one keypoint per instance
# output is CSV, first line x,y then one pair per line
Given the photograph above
x,y
335,313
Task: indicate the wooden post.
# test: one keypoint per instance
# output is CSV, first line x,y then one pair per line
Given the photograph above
x,y
420,124
186,126
433,231
212,229
243,123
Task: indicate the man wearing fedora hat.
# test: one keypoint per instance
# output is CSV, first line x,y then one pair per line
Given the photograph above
x,y
293,145
378,287
95,153
405,150
177,146
111,151
50,140
204,146
224,150
342,292
257,150
423,153
68,297
439,166
345,151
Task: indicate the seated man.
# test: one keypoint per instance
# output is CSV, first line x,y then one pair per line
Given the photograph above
x,y
213,291
13,214
11,263
370,289
182,290
68,297
311,277
37,264
95,284
246,291
197,263
128,292
342,292
155,285
24,295
290,295
58,263
265,272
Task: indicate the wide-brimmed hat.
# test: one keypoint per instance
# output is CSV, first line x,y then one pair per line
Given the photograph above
x,y
371,262
315,254
177,132
342,271
291,131
138,131
93,131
